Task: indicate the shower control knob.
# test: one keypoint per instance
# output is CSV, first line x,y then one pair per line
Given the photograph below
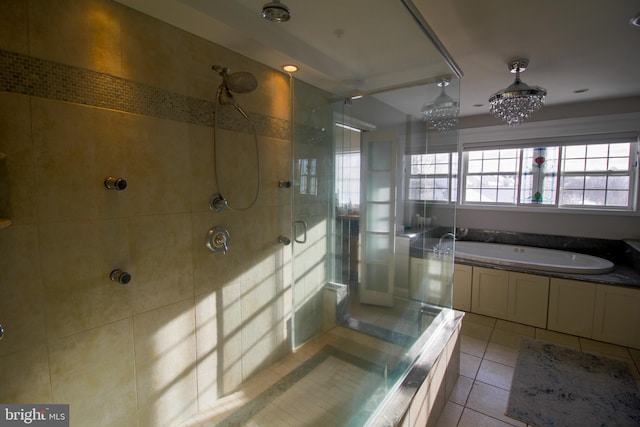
x,y
120,276
283,183
117,184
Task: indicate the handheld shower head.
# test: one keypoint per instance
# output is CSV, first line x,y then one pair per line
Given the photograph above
x,y
241,82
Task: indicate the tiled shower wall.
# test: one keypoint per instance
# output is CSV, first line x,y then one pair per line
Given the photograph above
x,y
91,89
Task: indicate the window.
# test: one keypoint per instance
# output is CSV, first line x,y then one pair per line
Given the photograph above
x,y
308,176
576,176
348,179
433,177
491,176
597,175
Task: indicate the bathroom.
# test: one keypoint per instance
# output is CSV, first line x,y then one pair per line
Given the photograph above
x,y
127,354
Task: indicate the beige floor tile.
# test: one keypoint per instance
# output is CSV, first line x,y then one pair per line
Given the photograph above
x,y
479,319
604,349
460,392
501,354
450,415
476,330
471,418
524,330
507,338
471,345
495,374
491,401
469,365
558,338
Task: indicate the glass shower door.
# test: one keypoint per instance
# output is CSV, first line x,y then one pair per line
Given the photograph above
x,y
310,197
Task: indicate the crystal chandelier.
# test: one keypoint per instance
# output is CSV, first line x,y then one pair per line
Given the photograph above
x,y
442,115
519,101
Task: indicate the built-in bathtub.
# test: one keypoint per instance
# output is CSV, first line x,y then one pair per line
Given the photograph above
x,y
531,258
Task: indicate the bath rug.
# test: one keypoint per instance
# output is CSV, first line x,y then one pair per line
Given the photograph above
x,y
556,386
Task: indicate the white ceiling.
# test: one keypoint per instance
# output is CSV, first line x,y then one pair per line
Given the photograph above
x,y
347,46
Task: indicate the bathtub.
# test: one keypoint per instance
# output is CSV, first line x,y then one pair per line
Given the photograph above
x,y
539,259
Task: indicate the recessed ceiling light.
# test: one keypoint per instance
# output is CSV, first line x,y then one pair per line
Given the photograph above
x,y
289,68
583,90
635,20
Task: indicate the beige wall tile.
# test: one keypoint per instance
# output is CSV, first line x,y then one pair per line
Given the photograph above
x,y
208,348
165,354
76,148
203,182
159,171
230,338
25,376
161,253
76,261
153,52
13,26
21,301
262,318
94,373
17,178
84,34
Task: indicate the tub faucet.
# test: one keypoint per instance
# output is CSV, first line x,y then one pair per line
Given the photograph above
x,y
438,248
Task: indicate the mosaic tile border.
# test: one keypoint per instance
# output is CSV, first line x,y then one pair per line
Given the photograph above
x,y
27,75
248,411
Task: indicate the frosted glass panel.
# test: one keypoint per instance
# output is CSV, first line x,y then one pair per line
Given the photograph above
x,y
379,187
377,277
377,247
380,155
378,218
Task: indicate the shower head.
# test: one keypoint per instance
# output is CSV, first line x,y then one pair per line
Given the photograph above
x,y
275,12
241,82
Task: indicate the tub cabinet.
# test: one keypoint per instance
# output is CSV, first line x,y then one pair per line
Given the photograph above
x,y
616,317
585,309
591,310
489,292
508,295
462,279
528,299
571,306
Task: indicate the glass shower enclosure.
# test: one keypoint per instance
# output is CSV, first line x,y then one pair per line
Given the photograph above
x,y
373,213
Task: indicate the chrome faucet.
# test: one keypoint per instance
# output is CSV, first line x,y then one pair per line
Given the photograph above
x,y
438,248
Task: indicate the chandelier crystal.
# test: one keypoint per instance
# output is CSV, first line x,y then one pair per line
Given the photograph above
x,y
519,101
442,115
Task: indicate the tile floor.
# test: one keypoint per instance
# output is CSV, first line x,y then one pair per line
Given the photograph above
x,y
489,349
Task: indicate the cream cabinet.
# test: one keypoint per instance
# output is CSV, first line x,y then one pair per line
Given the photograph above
x,y
518,297
528,299
616,317
571,306
462,279
489,292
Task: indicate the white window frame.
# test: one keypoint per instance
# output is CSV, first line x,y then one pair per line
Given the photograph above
x,y
560,175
